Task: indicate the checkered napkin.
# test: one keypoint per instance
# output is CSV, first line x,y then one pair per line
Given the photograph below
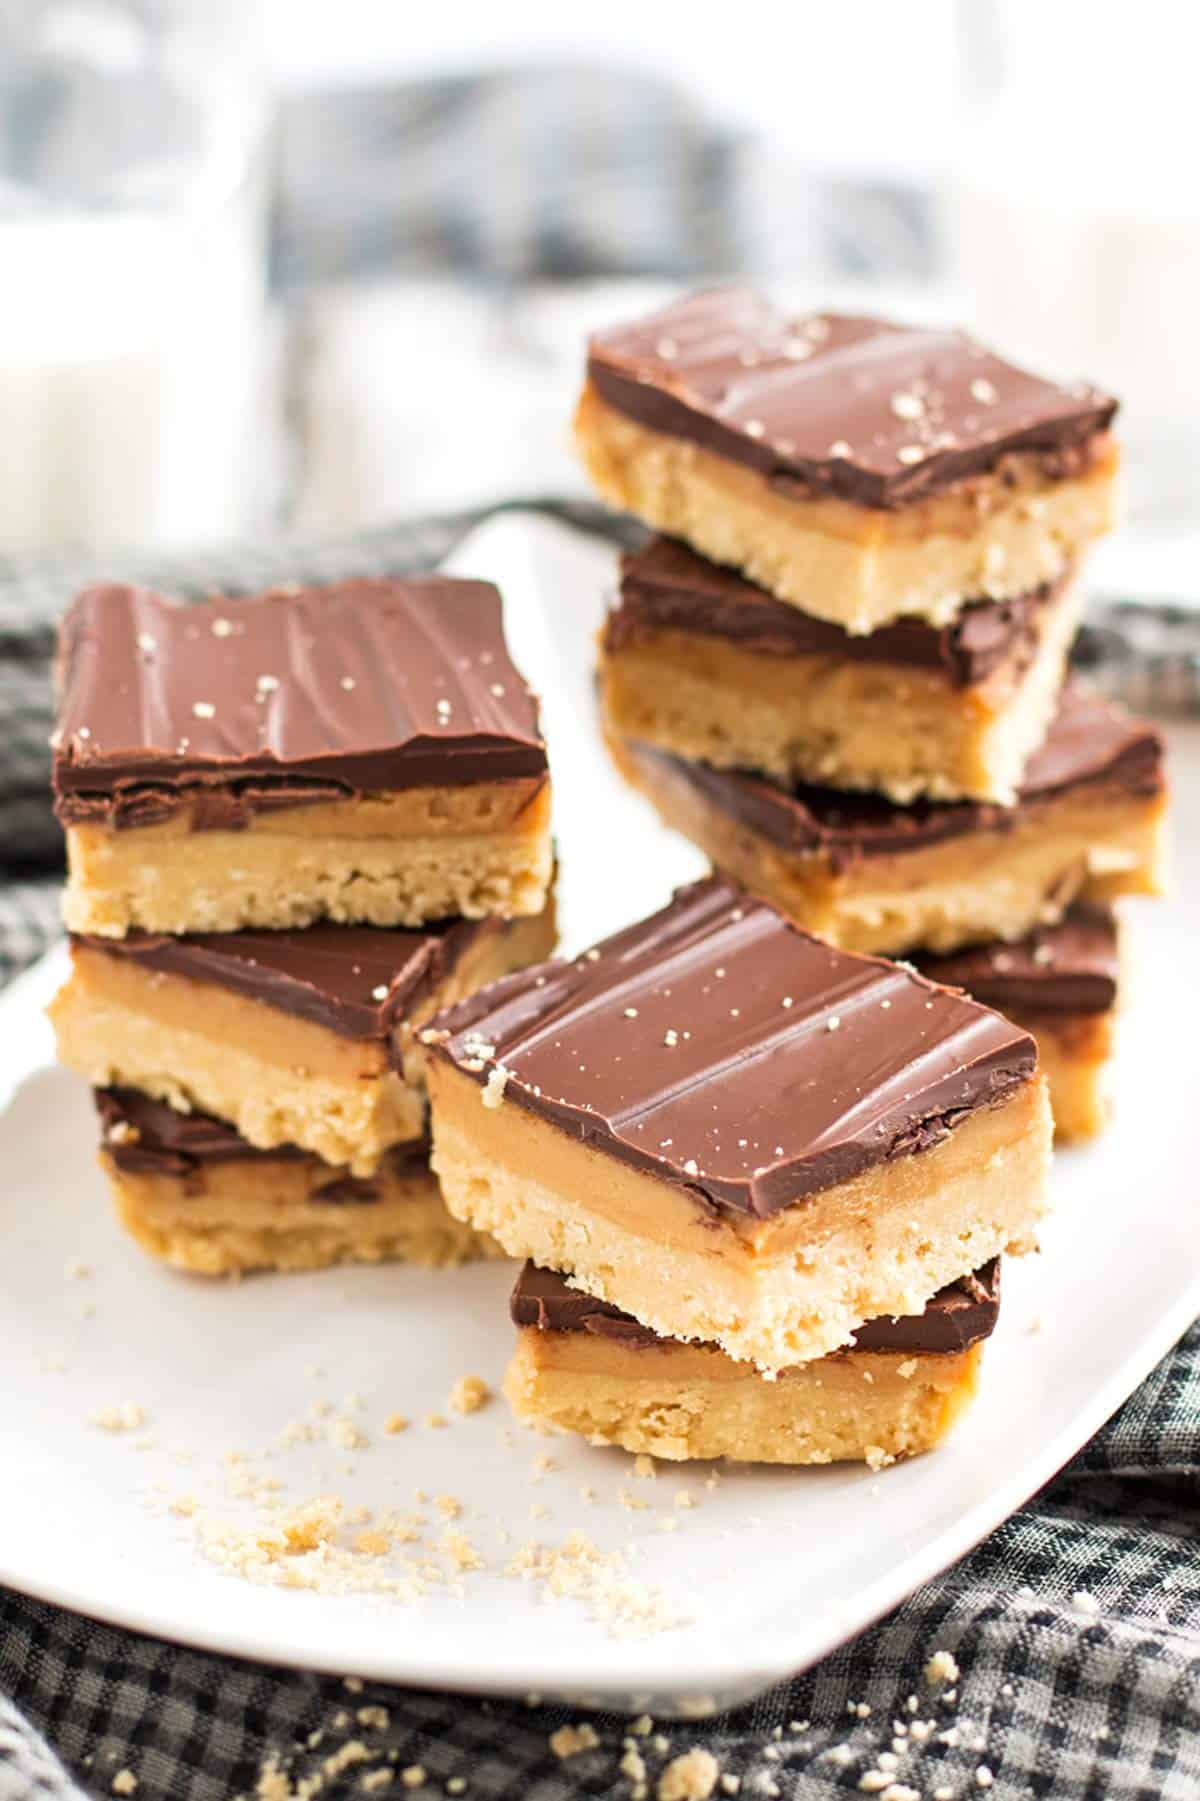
x,y
1075,1627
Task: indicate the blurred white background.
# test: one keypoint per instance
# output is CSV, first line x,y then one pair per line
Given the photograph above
x,y
366,291
862,83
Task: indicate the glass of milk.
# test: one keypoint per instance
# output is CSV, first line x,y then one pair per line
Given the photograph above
x,y
131,268
1074,216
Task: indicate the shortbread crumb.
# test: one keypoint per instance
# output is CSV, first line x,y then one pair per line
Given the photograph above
x,y
461,1552
469,1394
372,1543
578,1569
569,1741
492,1092
127,1417
692,1777
941,1668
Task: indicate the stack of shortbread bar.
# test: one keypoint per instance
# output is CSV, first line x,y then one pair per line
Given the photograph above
x,y
297,823
761,1183
762,1177
859,708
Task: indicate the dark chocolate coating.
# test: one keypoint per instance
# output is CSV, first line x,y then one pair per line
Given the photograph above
x,y
958,1316
667,587
284,698
877,413
157,1140
357,981
1069,968
1090,742
718,1047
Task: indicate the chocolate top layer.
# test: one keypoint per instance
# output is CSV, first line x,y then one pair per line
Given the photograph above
x,y
719,1047
146,1136
878,413
313,693
1071,967
958,1316
1090,742
357,981
665,586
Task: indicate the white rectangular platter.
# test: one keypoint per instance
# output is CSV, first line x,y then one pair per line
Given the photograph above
x,y
725,1584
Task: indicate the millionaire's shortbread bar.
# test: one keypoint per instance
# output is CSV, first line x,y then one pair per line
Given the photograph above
x,y
194,1193
305,1038
895,1389
698,662
1088,825
364,752
737,1133
861,470
1062,984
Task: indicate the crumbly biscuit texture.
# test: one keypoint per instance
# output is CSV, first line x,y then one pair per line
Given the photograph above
x,y
377,861
838,561
891,729
683,1402
277,1078
778,1292
995,883
263,1214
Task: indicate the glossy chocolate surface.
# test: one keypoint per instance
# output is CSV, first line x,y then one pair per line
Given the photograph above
x,y
720,1048
1090,743
666,587
284,698
958,1316
147,1137
877,413
1071,967
357,981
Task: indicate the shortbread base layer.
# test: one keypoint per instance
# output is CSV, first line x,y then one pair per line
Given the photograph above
x,y
1090,845
776,1291
386,860
989,538
265,1214
277,1078
682,1402
1075,1054
839,722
